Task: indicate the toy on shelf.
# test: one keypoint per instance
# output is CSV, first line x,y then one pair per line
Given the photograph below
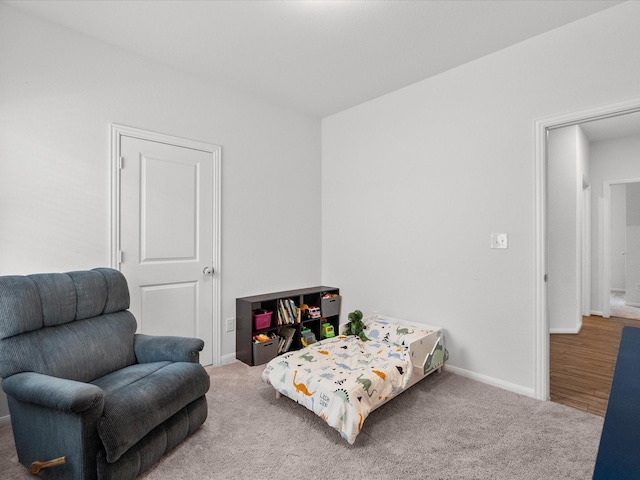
x,y
262,337
327,331
307,337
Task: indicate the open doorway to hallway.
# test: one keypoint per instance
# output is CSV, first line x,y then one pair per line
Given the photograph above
x,y
583,344
623,259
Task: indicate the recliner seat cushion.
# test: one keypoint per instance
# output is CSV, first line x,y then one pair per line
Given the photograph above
x,y
140,397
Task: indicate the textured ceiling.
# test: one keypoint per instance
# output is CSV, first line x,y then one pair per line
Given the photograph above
x,y
318,57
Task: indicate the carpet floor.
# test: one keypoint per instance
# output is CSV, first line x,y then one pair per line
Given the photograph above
x,y
620,309
445,427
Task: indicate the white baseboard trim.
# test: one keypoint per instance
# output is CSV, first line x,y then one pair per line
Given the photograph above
x,y
621,290
494,382
565,330
596,312
629,304
229,358
6,419
573,330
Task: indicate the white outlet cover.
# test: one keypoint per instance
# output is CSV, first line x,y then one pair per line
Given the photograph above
x,y
230,324
499,240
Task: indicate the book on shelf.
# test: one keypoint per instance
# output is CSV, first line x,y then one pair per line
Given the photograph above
x,y
287,302
286,338
287,311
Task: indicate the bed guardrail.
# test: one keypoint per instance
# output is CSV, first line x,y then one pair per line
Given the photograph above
x,y
427,353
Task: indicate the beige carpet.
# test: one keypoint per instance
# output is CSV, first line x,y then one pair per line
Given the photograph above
x,y
620,310
446,427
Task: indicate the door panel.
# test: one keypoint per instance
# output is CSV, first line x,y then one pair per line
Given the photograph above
x,y
162,304
166,238
169,210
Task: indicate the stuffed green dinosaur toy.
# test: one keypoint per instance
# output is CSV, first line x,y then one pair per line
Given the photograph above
x,y
356,325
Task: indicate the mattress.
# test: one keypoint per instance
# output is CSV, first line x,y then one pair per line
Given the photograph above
x,y
343,379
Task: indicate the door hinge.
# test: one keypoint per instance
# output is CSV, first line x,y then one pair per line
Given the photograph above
x,y
545,277
120,163
120,256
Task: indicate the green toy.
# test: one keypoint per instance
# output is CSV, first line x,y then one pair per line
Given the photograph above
x,y
327,331
356,325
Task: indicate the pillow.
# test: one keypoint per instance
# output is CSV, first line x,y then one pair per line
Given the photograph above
x,y
382,330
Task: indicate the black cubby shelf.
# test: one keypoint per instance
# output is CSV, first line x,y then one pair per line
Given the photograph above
x,y
284,307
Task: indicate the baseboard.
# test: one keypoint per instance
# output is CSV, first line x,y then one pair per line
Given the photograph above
x,y
229,358
620,290
629,304
573,331
565,330
6,419
597,313
494,382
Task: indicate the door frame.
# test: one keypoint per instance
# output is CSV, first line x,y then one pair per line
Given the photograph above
x,y
606,241
119,131
541,128
585,294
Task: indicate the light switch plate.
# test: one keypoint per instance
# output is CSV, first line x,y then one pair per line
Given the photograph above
x,y
499,240
230,324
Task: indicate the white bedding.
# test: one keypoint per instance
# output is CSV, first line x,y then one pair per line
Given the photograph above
x,y
343,379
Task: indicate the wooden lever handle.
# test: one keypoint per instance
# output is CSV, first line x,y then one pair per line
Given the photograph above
x,y
40,464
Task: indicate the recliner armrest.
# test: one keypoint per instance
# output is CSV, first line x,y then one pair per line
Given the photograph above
x,y
61,394
150,348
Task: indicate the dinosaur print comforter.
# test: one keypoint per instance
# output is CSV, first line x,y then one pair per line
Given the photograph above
x,y
343,379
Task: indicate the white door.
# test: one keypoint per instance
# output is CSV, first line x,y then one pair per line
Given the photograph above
x,y
167,237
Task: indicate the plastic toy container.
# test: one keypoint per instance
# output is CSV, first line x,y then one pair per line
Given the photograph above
x,y
262,320
265,351
331,306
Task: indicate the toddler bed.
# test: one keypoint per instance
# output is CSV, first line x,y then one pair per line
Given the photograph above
x,y
343,379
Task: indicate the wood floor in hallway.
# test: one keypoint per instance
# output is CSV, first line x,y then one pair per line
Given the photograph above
x,y
582,365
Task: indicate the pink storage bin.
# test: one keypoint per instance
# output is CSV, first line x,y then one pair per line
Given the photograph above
x,y
262,320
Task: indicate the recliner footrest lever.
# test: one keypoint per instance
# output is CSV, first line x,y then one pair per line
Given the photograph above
x,y
40,464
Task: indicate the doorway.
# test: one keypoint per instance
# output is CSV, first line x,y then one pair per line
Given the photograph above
x,y
165,233
621,248
582,363
542,128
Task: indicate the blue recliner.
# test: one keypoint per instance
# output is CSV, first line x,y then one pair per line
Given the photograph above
x,y
88,397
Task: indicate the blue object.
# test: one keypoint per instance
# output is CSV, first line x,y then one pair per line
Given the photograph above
x,y
619,451
82,384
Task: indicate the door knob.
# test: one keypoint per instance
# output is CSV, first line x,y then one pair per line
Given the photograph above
x,y
208,271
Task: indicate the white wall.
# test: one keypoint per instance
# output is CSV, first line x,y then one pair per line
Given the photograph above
x,y
59,93
632,293
414,183
618,235
567,163
583,235
610,160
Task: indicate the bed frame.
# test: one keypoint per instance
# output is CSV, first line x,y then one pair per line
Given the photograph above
x,y
426,355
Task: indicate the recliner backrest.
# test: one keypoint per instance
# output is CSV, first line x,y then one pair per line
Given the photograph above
x,y
71,325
